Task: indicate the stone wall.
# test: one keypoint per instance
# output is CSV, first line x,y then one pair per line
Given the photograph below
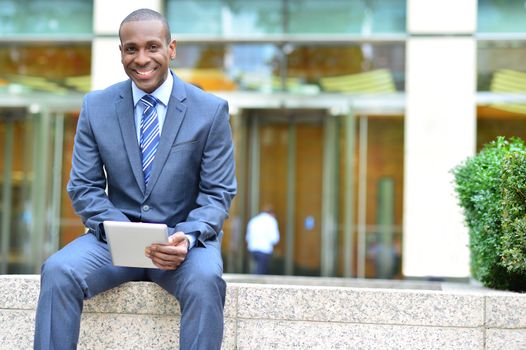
x,y
278,312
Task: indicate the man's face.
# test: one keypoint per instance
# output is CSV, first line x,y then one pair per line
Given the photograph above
x,y
145,55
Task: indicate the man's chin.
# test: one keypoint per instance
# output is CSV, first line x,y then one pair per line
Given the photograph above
x,y
145,85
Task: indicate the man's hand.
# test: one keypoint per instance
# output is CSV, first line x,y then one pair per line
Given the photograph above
x,y
168,256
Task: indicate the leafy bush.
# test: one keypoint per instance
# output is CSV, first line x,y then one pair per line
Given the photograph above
x,y
491,188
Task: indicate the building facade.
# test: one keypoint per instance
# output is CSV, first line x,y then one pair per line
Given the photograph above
x,y
347,117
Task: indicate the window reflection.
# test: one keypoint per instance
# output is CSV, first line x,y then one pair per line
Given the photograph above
x,y
233,17
497,16
360,68
496,57
353,68
257,17
355,16
51,68
255,67
46,17
248,67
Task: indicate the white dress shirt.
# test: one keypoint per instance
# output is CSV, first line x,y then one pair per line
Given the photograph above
x,y
262,233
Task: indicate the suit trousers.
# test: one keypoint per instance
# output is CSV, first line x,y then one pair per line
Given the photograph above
x,y
83,269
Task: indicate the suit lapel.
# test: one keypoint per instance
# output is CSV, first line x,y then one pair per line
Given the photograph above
x,y
175,113
124,108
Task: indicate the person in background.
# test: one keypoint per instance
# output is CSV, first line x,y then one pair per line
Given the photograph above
x,y
262,235
149,149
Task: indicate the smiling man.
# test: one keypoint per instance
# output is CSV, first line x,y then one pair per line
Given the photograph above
x,y
163,150
145,55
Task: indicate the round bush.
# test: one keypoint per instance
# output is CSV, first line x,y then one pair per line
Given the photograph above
x,y
491,189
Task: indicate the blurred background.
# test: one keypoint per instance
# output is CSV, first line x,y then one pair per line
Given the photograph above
x,y
347,117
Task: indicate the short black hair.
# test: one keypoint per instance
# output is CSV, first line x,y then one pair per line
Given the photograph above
x,y
147,15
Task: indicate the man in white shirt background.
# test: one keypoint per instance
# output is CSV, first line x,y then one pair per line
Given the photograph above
x,y
262,236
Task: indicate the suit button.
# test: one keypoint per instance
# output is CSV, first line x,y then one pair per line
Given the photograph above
x,y
145,207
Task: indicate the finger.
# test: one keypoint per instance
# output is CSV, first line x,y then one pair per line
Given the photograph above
x,y
163,266
165,257
164,262
177,238
168,250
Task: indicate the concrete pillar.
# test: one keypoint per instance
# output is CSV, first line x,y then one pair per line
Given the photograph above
x,y
106,66
440,132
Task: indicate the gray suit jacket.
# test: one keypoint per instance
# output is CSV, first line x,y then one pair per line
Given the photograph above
x,y
193,177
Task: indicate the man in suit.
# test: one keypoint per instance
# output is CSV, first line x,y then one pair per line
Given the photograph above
x,y
188,185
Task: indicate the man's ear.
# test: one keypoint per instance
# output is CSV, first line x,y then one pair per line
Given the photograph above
x,y
120,50
172,46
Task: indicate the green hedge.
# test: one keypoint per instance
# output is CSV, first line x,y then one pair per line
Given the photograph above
x,y
491,188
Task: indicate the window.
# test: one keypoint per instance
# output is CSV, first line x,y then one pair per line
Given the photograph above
x,y
497,16
52,68
236,18
46,17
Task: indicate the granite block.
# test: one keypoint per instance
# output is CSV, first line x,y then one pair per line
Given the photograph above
x,y
509,339
106,331
269,334
137,332
231,301
17,329
506,310
360,305
229,334
19,291
134,298
146,298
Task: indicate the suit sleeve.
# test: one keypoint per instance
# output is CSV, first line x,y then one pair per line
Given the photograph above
x,y
217,185
87,183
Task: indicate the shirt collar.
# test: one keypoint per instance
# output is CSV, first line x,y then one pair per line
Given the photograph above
x,y
162,93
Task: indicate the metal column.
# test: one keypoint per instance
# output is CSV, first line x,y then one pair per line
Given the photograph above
x,y
348,207
254,150
329,234
41,162
362,198
6,197
53,242
235,264
291,194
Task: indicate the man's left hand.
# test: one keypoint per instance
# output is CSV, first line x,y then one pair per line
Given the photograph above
x,y
168,256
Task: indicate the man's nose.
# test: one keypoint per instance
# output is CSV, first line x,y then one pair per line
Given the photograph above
x,y
142,57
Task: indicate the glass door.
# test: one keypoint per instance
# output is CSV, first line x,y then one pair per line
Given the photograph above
x,y
35,215
285,171
335,183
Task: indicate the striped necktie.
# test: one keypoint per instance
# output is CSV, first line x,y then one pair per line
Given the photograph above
x,y
149,135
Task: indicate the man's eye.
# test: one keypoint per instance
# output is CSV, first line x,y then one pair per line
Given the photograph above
x,y
154,47
130,49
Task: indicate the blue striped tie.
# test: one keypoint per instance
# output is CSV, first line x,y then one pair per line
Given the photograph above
x,y
149,135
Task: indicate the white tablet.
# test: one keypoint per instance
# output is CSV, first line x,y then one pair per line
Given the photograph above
x,y
127,241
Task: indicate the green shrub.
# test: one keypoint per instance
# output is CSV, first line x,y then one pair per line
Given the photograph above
x,y
491,188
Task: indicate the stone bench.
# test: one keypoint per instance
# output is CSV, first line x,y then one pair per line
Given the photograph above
x,y
278,312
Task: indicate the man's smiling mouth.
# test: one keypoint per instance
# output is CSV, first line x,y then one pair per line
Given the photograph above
x,y
145,73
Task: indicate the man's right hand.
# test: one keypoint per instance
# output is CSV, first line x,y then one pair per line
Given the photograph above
x,y
169,256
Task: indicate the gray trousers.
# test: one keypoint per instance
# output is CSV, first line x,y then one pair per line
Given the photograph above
x,y
83,269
